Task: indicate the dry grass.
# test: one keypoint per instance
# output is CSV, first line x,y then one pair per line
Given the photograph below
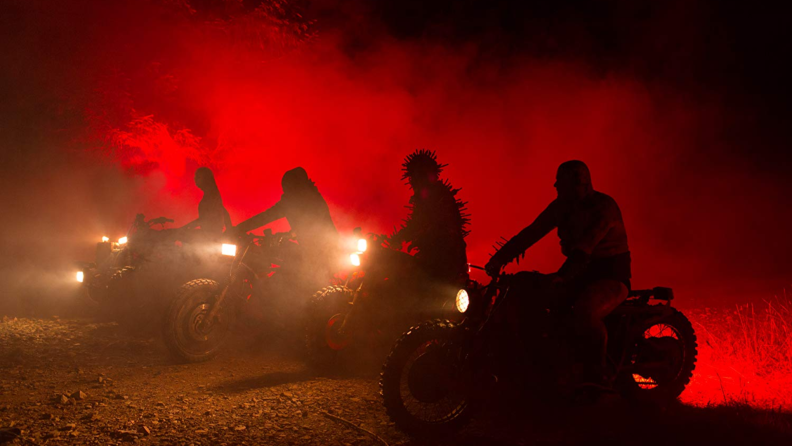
x,y
745,354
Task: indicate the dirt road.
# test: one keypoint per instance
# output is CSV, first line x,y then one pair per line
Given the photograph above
x,y
74,381
79,382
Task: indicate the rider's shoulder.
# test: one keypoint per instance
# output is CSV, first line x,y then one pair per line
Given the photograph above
x,y
604,201
602,197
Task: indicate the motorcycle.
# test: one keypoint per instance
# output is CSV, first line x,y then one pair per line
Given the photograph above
x,y
137,275
105,279
199,320
439,373
383,293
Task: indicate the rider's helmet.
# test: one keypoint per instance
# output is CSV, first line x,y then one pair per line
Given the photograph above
x,y
421,166
205,180
296,180
573,180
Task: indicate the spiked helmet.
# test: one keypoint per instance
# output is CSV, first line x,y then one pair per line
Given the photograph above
x,y
421,161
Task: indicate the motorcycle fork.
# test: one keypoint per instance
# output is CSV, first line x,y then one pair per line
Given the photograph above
x,y
478,364
350,318
234,276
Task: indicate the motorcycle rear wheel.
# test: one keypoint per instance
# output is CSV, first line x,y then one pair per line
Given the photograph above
x,y
188,336
422,385
671,340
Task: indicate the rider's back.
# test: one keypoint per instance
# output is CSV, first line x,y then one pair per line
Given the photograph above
x,y
441,239
593,224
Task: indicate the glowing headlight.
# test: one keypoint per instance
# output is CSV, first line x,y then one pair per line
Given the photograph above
x,y
228,250
122,240
105,239
354,259
362,245
80,276
462,301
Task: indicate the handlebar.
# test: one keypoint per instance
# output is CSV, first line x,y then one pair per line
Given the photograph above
x,y
159,221
249,236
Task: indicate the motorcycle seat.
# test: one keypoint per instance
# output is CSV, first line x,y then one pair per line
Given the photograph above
x,y
659,293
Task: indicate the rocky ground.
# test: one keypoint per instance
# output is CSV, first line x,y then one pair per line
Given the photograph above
x,y
79,382
73,381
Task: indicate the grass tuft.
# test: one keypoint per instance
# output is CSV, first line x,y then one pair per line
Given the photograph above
x,y
746,354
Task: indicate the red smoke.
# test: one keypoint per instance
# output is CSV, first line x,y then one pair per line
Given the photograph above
x,y
158,92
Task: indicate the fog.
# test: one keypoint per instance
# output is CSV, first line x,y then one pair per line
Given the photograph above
x,y
108,110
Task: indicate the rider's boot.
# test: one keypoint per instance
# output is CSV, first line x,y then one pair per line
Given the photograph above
x,y
594,385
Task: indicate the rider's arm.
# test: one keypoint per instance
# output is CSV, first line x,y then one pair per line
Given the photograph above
x,y
544,223
580,253
276,212
191,224
402,235
227,219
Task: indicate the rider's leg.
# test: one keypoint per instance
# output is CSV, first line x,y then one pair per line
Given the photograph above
x,y
597,300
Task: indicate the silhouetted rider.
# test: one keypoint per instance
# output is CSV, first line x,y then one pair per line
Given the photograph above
x,y
309,218
212,215
597,269
436,226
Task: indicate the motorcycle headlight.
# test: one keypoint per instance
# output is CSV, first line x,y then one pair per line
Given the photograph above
x,y
354,259
122,240
362,245
105,239
228,250
462,301
80,276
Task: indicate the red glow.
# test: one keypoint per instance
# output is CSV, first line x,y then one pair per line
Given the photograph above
x,y
158,95
744,355
350,127
181,94
349,121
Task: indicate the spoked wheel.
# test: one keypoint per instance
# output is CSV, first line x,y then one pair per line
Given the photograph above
x,y
425,388
189,333
662,362
323,337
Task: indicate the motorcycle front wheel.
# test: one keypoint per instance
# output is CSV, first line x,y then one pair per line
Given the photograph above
x,y
323,339
187,332
423,382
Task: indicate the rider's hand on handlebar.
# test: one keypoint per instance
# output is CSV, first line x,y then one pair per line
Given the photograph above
x,y
383,240
493,267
